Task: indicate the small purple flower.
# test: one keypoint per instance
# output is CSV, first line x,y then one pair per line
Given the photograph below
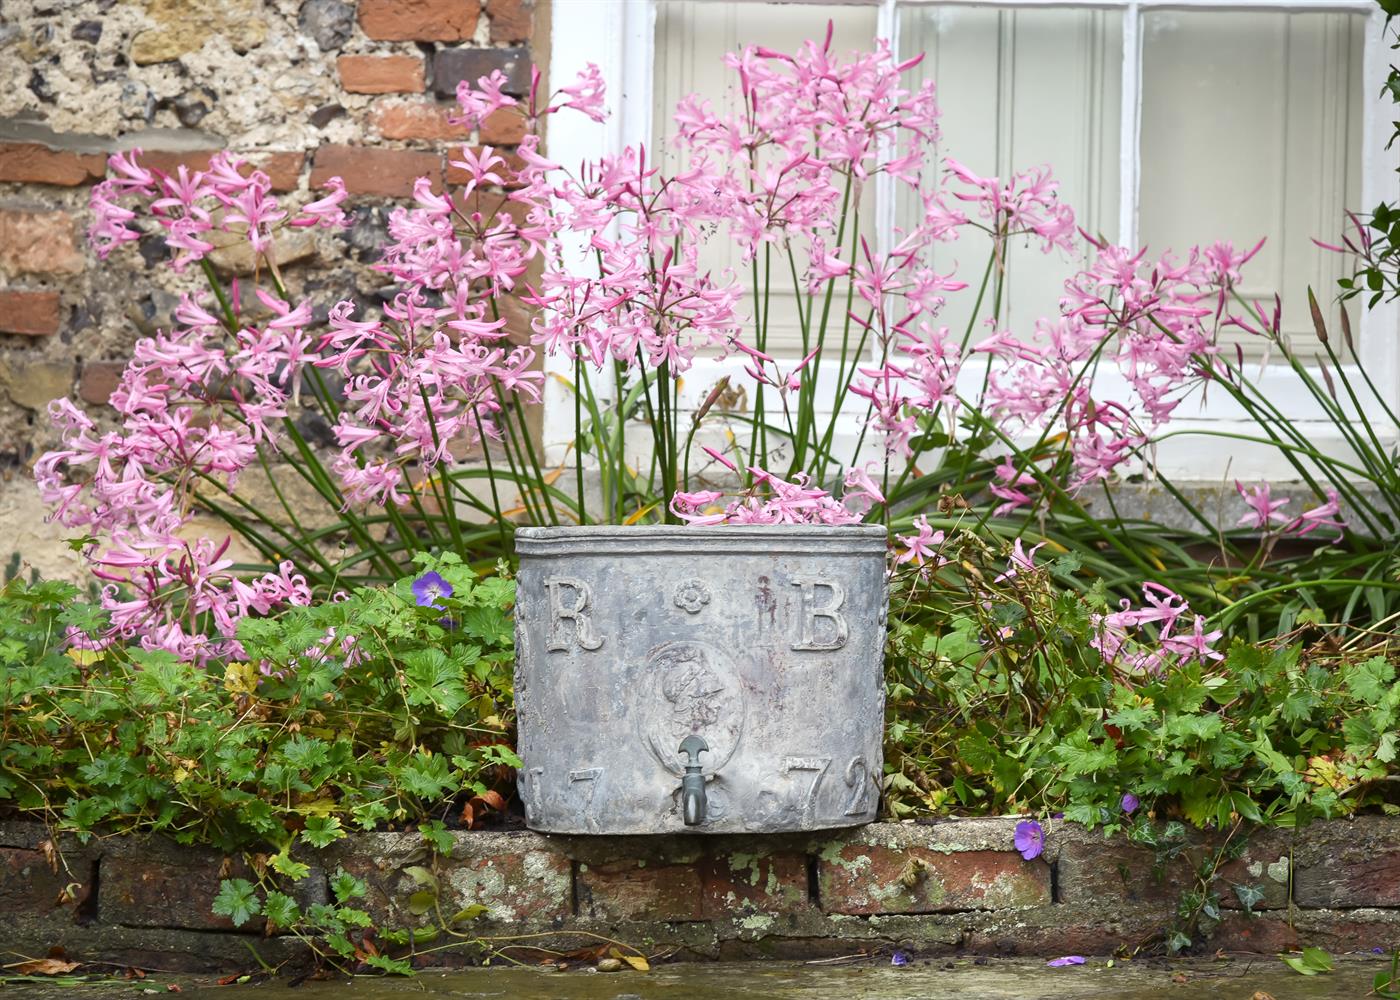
x,y
1129,803
1057,963
899,958
428,588
1030,839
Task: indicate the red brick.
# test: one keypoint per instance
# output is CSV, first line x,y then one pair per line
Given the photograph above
x,y
38,243
511,20
388,173
169,161
419,20
381,74
32,163
35,313
865,879
416,120
282,169
513,164
518,317
1265,934
98,381
503,127
633,890
776,884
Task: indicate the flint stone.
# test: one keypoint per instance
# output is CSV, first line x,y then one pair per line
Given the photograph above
x,y
764,641
330,22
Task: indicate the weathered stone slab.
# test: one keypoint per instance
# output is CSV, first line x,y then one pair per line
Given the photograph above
x,y
1094,868
1353,863
1087,929
152,882
39,883
518,877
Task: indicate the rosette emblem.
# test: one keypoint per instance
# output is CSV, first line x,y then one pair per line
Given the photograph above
x,y
691,596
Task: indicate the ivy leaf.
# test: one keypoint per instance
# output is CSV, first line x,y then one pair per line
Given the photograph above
x,y
1249,896
237,900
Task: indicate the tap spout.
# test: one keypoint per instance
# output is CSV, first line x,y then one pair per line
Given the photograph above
x,y
693,782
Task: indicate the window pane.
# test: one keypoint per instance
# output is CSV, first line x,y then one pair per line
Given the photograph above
x,y
1021,88
1251,127
692,38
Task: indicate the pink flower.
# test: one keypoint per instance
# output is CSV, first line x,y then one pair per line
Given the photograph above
x,y
1020,561
922,546
1264,511
586,94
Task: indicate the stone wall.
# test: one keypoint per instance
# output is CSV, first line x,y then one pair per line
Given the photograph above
x,y
943,888
305,88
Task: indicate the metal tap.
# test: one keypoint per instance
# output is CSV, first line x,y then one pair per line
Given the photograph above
x,y
693,782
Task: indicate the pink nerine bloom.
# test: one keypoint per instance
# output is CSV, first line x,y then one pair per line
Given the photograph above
x,y
1264,510
922,547
1120,638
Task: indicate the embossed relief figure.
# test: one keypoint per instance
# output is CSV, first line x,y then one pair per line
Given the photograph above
x,y
692,688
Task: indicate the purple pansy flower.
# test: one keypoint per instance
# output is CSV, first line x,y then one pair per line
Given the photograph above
x,y
1129,803
899,958
428,588
1030,839
1066,960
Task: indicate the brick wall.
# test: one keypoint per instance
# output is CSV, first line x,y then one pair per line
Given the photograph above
x,y
946,888
306,89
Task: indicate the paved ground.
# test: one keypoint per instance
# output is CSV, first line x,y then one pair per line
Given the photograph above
x,y
961,979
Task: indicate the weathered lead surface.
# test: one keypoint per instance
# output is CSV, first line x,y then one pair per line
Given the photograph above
x,y
764,641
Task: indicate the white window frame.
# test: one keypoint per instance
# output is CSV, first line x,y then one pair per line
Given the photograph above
x,y
619,36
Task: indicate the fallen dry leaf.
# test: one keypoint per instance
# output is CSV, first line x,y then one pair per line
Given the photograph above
x,y
44,967
493,799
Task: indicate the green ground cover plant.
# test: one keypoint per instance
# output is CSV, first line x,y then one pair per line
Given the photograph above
x,y
380,707
1002,700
